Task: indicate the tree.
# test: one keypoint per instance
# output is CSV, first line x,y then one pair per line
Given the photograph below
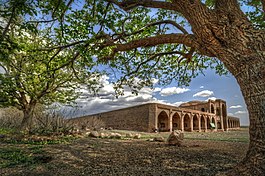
x,y
39,76
169,40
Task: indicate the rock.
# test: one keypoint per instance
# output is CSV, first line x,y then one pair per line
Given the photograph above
x,y
93,134
175,138
115,135
129,135
103,135
150,140
137,136
159,139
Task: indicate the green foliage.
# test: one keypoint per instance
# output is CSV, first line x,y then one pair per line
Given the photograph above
x,y
6,131
73,42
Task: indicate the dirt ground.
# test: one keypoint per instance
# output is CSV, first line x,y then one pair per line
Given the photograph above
x,y
93,156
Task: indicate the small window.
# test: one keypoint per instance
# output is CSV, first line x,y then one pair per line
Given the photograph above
x,y
203,110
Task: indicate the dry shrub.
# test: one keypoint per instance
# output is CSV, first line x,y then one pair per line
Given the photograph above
x,y
92,123
50,122
10,118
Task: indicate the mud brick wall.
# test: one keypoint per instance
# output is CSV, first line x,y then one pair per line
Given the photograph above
x,y
134,118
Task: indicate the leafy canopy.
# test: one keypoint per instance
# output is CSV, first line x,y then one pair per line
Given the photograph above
x,y
73,38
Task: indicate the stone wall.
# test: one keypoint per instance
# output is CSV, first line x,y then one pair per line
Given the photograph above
x,y
134,118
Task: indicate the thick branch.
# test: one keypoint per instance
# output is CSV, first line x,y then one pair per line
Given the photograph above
x,y
130,4
165,22
231,6
186,39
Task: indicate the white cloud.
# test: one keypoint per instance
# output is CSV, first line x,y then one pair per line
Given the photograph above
x,y
173,90
235,107
212,98
157,89
201,87
178,103
204,93
154,80
241,112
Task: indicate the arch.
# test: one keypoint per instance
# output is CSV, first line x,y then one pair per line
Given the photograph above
x,y
203,126
208,123
163,121
176,122
187,121
219,125
195,122
212,108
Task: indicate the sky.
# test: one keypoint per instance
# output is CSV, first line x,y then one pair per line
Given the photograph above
x,y
204,87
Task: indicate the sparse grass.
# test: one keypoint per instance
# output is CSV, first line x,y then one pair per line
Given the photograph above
x,y
17,149
89,155
5,131
240,135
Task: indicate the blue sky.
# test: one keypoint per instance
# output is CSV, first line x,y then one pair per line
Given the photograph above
x,y
201,88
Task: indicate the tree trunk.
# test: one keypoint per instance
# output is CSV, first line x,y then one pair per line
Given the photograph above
x,y
27,118
252,83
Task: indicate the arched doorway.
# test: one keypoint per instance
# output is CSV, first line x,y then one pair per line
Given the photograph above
x,y
176,122
203,127
208,123
187,121
195,122
163,122
219,126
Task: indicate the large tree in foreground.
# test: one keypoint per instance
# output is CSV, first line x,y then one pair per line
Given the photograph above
x,y
174,41
222,30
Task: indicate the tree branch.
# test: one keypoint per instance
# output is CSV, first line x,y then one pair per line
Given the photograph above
x,y
263,8
9,23
130,4
61,46
231,6
186,39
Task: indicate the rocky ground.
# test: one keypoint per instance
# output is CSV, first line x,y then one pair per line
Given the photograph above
x,y
94,156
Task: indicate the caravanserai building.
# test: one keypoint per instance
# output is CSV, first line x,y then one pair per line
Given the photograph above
x,y
201,116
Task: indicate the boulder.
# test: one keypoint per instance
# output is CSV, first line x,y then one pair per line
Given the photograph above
x,y
129,135
159,139
115,135
175,138
94,134
137,136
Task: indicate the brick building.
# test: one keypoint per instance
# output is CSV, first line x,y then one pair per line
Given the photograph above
x,y
191,116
